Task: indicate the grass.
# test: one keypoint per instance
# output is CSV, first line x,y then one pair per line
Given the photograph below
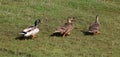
x,y
15,15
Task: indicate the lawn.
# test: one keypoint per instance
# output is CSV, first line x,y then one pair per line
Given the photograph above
x,y
15,15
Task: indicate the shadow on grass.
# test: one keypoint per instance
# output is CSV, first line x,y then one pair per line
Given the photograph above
x,y
23,38
56,34
86,33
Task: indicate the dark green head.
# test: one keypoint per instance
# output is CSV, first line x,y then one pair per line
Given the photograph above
x,y
37,22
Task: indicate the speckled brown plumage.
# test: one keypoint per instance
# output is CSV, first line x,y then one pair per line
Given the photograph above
x,y
95,27
66,28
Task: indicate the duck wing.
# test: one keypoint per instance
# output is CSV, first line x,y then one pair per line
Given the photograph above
x,y
94,26
32,32
28,29
65,27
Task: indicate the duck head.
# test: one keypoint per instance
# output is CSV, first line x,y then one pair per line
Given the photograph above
x,y
70,19
37,22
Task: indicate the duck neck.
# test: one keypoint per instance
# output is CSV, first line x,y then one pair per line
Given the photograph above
x,y
97,19
36,26
69,21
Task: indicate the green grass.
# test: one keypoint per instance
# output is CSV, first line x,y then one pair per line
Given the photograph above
x,y
15,15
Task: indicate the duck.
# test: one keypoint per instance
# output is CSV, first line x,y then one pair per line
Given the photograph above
x,y
66,28
31,30
94,28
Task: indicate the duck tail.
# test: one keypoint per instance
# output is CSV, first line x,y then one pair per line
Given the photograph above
x,y
57,31
22,33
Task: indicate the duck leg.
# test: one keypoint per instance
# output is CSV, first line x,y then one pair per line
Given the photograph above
x,y
34,36
97,32
66,33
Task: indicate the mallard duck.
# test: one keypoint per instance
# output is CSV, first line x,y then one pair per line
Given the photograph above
x,y
31,30
95,27
66,28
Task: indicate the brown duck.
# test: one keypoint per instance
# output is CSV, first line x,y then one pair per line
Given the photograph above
x,y
66,28
94,28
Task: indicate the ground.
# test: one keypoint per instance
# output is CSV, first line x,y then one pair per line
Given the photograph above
x,y
15,15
